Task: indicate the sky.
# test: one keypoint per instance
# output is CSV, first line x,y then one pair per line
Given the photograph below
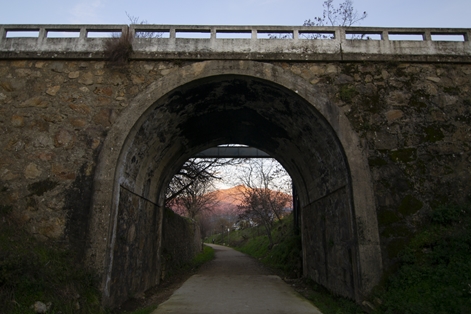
x,y
381,13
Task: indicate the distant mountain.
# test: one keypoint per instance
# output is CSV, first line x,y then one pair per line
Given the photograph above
x,y
228,199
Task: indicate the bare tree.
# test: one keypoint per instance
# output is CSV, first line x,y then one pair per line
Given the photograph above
x,y
189,190
136,20
262,202
344,15
195,200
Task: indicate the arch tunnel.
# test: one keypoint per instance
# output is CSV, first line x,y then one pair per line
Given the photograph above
x,y
252,104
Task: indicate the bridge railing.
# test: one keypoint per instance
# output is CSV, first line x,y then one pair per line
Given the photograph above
x,y
239,42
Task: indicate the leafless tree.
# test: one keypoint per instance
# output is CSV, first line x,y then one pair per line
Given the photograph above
x,y
136,20
344,15
195,200
189,190
262,202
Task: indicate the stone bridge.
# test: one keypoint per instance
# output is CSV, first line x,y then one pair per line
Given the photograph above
x,y
372,124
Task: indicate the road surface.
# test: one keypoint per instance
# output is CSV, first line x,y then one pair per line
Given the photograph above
x,y
235,283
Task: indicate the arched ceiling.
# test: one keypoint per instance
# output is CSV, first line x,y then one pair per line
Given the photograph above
x,y
236,109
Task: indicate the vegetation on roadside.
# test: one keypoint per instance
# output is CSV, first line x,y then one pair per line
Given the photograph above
x,y
134,306
205,256
32,270
434,274
285,258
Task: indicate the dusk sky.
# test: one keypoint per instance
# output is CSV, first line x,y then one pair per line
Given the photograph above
x,y
397,13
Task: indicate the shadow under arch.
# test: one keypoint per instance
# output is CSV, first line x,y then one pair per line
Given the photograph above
x,y
215,102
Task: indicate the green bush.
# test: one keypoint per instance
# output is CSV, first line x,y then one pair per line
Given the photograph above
x,y
435,271
447,214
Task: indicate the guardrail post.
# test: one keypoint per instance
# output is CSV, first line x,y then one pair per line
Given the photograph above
x,y
385,35
42,35
3,33
254,34
213,33
83,33
131,30
295,34
172,34
340,34
427,36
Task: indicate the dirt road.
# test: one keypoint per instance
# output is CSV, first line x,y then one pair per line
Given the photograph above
x,y
235,283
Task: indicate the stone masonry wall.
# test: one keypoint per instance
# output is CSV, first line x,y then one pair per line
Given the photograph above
x,y
54,116
414,120
134,270
181,242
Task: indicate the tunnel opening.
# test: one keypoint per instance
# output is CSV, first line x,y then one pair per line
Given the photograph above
x,y
232,185
211,110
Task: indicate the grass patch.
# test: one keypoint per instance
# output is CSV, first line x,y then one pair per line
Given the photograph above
x,y
205,256
31,270
328,303
145,310
434,275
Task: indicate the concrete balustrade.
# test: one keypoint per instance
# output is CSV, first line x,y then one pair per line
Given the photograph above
x,y
240,42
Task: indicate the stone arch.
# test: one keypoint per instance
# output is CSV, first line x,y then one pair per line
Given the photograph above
x,y
322,153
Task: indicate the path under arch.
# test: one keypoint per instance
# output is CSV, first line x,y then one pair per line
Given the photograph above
x,y
257,104
235,283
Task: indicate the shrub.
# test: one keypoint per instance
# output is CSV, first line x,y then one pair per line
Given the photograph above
x,y
119,49
435,271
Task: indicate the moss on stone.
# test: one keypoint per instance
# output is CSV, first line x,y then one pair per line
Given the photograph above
x,y
419,100
421,167
372,103
355,119
349,68
403,155
410,205
41,187
377,162
433,134
5,209
440,200
452,90
346,93
387,217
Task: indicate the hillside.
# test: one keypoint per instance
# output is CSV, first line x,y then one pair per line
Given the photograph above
x,y
227,200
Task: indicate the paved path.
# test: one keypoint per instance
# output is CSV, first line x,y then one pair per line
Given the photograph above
x,y
235,283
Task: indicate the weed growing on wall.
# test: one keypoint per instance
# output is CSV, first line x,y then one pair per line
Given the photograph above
x,y
118,49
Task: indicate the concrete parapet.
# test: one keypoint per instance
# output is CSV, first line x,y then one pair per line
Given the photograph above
x,y
295,43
